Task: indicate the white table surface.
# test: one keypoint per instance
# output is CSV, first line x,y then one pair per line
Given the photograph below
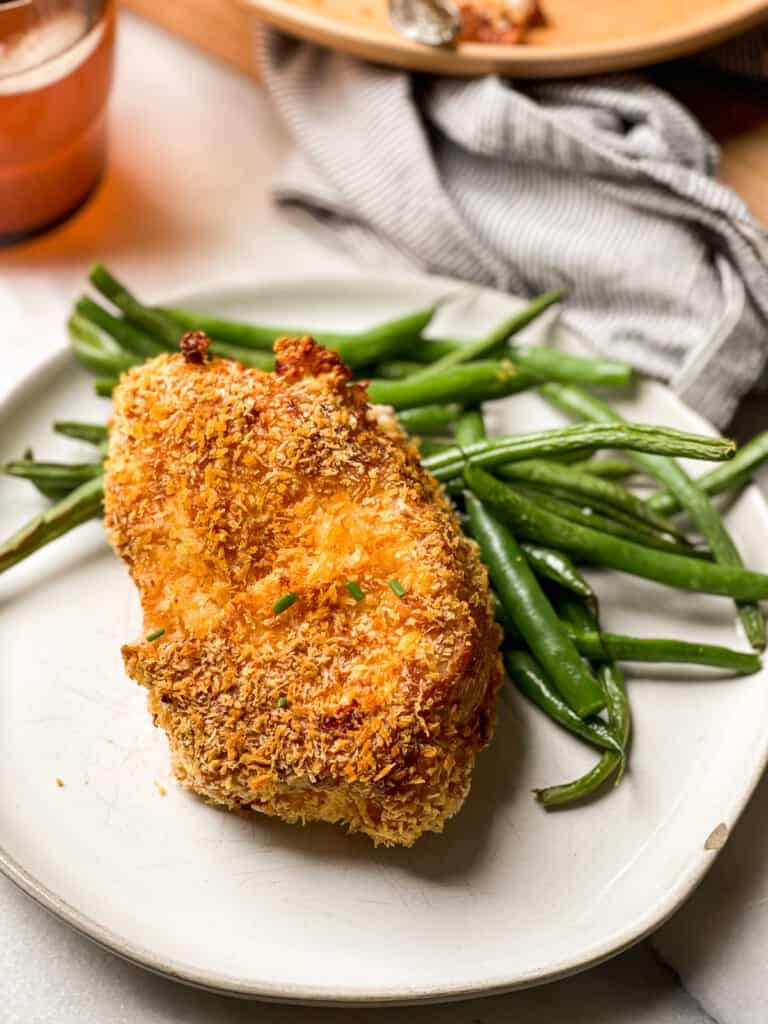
x,y
185,202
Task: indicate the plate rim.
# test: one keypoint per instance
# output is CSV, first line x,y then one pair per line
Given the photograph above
x,y
313,995
526,61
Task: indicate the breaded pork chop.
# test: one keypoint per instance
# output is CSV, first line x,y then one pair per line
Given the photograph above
x,y
228,488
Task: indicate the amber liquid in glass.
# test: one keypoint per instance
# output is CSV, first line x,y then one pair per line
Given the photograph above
x,y
53,121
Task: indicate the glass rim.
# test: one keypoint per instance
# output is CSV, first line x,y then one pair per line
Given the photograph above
x,y
94,11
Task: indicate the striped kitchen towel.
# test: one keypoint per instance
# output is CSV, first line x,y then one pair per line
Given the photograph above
x,y
606,185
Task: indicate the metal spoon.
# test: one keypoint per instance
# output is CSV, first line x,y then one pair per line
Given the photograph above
x,y
430,22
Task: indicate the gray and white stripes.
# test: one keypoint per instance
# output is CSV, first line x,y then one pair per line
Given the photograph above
x,y
605,184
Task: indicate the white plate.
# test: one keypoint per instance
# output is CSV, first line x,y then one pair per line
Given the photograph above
x,y
508,896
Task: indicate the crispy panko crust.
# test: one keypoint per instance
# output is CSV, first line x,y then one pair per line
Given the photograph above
x,y
498,21
227,488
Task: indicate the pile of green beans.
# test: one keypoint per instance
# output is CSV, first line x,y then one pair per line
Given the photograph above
x,y
689,495
534,523
539,505
598,493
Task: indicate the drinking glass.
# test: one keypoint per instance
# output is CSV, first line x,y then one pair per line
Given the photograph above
x,y
55,73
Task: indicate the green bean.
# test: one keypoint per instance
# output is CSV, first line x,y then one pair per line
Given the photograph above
x,y
558,568
61,472
82,504
104,386
576,513
569,458
545,363
471,350
611,468
157,324
429,446
254,336
691,498
546,564
582,788
620,516
470,428
602,495
124,333
428,419
723,478
96,350
597,371
599,646
579,616
549,364
429,350
396,369
386,340
617,705
476,382
53,479
357,350
533,523
246,356
54,492
576,614
529,678
92,433
528,607
545,443
619,720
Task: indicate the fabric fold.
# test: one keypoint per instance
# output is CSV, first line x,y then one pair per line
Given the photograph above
x,y
605,185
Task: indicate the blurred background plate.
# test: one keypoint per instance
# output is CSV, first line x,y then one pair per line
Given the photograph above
x,y
581,36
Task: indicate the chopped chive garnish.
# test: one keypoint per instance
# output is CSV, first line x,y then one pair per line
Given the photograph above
x,y
284,602
155,634
282,702
397,588
355,591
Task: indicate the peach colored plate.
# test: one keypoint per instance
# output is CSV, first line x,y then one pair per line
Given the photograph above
x,y
580,37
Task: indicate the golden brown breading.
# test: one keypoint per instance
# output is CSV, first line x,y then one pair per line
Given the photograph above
x,y
498,21
227,488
